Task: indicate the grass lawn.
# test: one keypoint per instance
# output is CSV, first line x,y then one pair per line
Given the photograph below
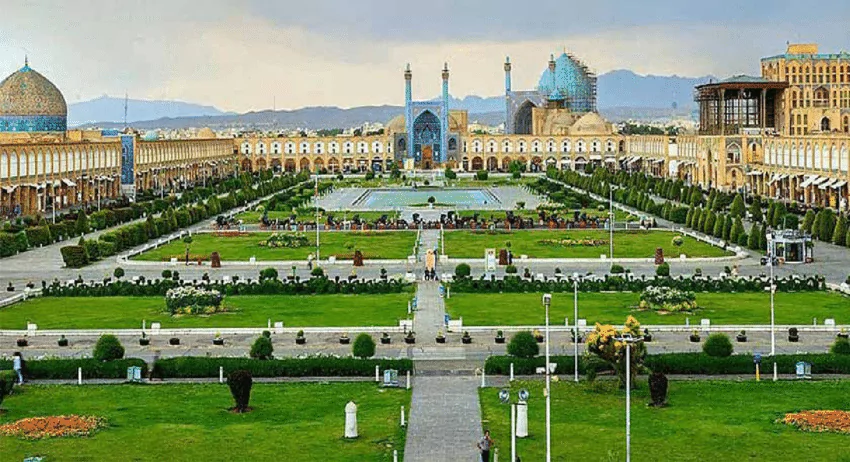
x,y
375,245
739,308
705,420
370,216
619,215
627,244
302,422
246,311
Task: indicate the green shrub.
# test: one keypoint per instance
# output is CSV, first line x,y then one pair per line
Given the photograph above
x,y
364,346
463,270
7,383
510,269
108,348
523,345
240,383
268,273
717,346
663,269
481,175
840,347
262,348
166,274
118,273
74,256
66,369
617,269
317,272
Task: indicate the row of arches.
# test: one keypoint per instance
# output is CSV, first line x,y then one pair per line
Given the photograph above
x,y
364,146
311,164
22,162
521,145
158,152
826,155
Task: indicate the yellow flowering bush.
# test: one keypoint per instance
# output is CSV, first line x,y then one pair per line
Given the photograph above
x,y
602,342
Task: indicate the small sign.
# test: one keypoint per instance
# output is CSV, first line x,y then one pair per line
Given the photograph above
x,y
442,291
804,370
134,374
446,319
757,358
391,378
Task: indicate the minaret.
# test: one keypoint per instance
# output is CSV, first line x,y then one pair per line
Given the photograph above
x,y
508,125
444,117
408,109
552,70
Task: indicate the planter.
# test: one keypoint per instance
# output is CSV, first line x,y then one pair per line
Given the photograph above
x,y
144,341
63,342
843,335
218,341
694,338
539,339
793,338
647,338
441,340
300,340
410,340
344,340
500,339
174,341
741,338
22,342
466,340
385,340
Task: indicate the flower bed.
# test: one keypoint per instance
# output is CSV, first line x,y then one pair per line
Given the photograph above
x,y
285,240
34,428
193,300
573,242
819,421
667,300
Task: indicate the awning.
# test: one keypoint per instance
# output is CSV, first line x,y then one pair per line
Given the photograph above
x,y
610,160
809,180
819,180
596,157
657,161
10,189
838,184
68,182
633,160
754,173
828,183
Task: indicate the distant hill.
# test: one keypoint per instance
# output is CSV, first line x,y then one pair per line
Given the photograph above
x,y
109,109
622,95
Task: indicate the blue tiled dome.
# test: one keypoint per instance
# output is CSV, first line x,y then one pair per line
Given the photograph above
x,y
31,103
571,82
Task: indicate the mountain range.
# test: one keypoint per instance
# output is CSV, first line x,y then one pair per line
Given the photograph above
x,y
622,95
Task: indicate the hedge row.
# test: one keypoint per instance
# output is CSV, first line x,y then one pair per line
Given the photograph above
x,y
637,284
318,366
159,287
680,363
66,369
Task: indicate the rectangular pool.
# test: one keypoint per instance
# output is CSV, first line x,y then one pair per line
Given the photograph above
x,y
382,199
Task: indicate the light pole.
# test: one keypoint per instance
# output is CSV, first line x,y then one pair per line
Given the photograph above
x,y
505,398
611,220
629,341
547,301
575,324
316,199
772,310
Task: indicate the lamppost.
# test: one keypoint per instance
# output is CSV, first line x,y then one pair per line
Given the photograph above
x,y
611,221
505,398
772,310
629,341
547,301
575,324
316,199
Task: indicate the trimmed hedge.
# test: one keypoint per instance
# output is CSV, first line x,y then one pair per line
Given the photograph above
x,y
681,363
318,366
66,369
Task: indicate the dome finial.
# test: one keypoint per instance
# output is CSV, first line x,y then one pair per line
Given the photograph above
x,y
26,60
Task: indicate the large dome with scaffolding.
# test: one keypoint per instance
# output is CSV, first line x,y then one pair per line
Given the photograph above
x,y
572,82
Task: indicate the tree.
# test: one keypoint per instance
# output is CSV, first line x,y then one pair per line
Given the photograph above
x,y
839,234
108,348
118,272
262,348
240,383
779,211
463,270
364,346
755,210
602,342
737,208
809,221
719,224
523,345
753,240
658,389
268,273
82,224
727,228
696,218
7,383
450,174
663,269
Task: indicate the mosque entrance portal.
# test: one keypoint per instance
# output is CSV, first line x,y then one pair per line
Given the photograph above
x,y
427,157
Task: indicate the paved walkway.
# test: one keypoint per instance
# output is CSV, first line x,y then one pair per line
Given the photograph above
x,y
445,420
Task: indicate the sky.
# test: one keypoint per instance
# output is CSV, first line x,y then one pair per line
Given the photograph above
x,y
259,54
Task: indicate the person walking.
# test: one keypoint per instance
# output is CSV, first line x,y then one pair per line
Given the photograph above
x,y
17,366
484,446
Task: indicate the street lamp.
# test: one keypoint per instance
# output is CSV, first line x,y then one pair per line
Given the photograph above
x,y
505,398
611,221
547,301
629,340
772,310
575,324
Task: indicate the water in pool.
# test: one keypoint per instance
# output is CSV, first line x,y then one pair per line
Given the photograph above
x,y
384,198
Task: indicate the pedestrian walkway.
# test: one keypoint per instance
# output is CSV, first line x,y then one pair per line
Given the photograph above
x,y
445,420
430,310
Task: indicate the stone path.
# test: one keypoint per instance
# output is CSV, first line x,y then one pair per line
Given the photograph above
x,y
445,420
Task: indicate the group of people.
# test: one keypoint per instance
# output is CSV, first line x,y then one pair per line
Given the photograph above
x,y
431,275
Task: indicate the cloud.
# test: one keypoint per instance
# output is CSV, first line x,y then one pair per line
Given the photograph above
x,y
250,56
